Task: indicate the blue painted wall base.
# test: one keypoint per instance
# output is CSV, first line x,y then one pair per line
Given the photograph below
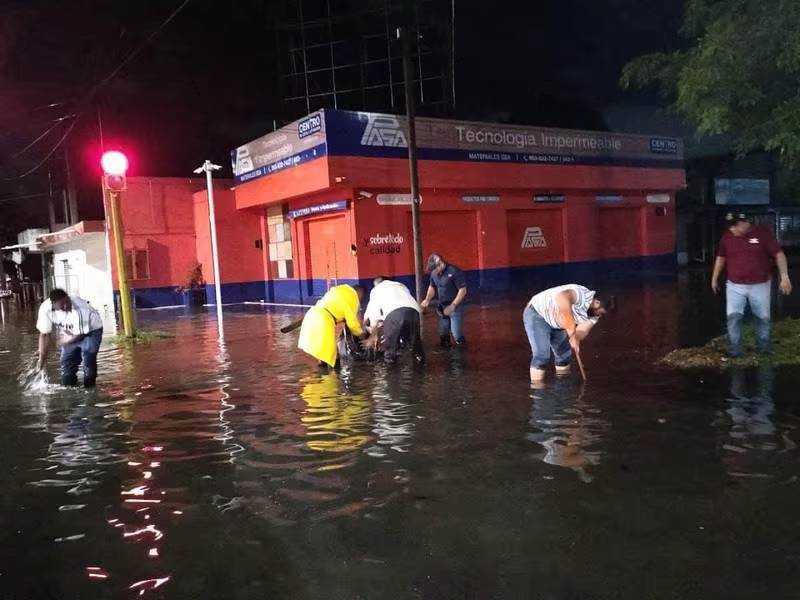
x,y
597,274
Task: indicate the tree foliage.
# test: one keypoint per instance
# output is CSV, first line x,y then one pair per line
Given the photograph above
x,y
739,73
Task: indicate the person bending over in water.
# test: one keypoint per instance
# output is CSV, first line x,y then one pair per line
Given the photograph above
x,y
322,325
79,328
557,320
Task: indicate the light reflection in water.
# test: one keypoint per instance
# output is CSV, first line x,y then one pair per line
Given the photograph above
x,y
337,420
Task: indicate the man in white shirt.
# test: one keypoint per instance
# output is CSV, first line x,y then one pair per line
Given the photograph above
x,y
392,304
557,320
79,330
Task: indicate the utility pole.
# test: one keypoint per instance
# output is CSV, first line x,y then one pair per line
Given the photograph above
x,y
208,167
403,35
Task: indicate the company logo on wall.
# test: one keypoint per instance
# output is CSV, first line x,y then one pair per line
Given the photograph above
x,y
310,125
533,238
384,130
389,243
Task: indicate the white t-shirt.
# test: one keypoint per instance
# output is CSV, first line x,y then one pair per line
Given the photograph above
x,y
386,297
546,304
82,319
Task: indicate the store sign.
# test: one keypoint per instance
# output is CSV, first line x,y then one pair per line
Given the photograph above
x,y
741,191
396,199
608,198
664,145
533,238
481,199
385,243
317,209
380,135
548,198
658,198
287,147
310,125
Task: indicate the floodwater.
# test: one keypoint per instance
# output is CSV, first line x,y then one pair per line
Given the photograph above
x,y
199,471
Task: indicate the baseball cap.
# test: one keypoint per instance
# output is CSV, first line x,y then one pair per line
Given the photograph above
x,y
433,261
733,218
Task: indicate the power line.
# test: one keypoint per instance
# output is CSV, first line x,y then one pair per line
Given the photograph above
x,y
93,91
47,131
49,154
23,197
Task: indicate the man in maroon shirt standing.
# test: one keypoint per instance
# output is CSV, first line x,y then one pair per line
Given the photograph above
x,y
747,253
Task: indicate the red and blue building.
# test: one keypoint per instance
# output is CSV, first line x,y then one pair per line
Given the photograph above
x,y
326,199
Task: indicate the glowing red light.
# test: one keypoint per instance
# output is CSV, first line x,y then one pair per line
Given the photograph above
x,y
114,163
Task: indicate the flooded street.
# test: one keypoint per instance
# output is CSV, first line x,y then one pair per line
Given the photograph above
x,y
199,471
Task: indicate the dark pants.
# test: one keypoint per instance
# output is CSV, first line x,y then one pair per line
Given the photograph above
x,y
84,350
402,324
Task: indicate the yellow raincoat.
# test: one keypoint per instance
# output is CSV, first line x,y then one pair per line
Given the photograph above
x,y
322,323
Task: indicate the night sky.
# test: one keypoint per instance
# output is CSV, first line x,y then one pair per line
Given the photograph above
x,y
207,83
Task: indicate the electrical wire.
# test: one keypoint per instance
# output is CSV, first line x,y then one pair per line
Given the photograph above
x,y
93,91
47,131
47,157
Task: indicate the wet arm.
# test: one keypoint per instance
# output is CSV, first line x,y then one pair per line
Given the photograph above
x,y
462,293
566,300
353,322
783,269
44,349
429,296
584,329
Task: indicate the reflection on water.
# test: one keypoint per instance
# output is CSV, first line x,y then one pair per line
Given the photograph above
x,y
393,416
752,436
568,427
336,418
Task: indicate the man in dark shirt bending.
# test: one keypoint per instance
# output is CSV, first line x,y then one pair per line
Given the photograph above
x,y
449,285
747,253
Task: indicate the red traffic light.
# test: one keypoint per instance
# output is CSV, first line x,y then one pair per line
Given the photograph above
x,y
114,163
115,183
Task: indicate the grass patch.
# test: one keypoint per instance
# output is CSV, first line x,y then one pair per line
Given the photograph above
x,y
785,350
141,337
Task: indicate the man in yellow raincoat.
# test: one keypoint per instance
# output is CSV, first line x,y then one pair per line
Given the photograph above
x,y
325,321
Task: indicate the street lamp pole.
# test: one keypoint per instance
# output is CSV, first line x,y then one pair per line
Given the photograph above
x,y
208,167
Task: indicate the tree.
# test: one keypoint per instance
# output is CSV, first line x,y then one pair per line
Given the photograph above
x,y
739,73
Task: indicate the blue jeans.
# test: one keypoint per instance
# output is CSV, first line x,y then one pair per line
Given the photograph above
x,y
544,339
739,295
453,324
84,350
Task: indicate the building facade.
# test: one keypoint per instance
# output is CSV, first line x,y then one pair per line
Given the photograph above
x,y
326,199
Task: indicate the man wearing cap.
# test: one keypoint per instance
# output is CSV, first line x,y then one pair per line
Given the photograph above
x,y
747,253
449,286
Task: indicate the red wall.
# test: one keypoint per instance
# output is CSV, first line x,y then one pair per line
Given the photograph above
x,y
489,236
307,178
157,215
240,260
473,236
393,173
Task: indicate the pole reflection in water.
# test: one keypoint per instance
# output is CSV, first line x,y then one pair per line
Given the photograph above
x,y
568,427
227,433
